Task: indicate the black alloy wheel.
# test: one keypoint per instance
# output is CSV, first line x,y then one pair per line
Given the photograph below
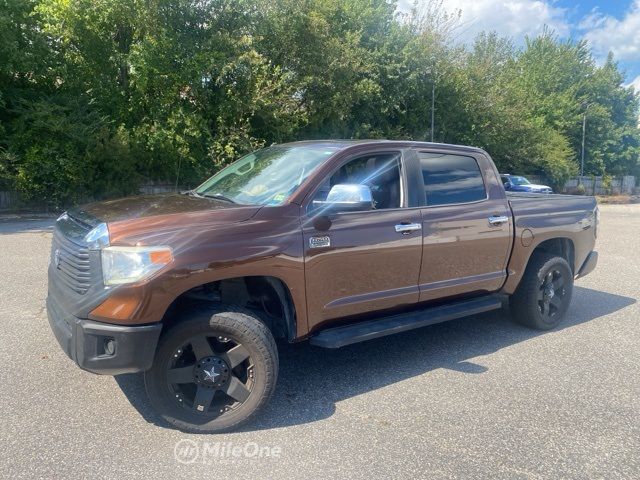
x,y
551,295
544,294
213,371
210,374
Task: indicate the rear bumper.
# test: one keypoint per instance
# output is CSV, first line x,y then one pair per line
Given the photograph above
x,y
100,347
589,265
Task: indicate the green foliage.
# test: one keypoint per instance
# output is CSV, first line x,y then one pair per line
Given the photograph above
x,y
607,181
97,96
68,153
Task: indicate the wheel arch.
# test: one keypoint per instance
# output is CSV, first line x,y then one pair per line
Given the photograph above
x,y
562,246
269,297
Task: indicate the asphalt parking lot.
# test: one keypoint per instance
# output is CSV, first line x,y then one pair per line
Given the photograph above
x,y
474,398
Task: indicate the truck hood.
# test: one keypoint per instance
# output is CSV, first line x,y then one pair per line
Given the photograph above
x,y
140,215
143,206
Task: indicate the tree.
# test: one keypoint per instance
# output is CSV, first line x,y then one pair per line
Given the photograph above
x,y
97,96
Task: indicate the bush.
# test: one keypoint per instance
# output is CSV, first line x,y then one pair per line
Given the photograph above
x,y
63,153
556,158
607,184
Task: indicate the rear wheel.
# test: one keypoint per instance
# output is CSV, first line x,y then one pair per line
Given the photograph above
x,y
213,371
543,296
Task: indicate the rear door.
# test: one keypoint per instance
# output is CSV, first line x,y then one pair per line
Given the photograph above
x,y
466,225
363,261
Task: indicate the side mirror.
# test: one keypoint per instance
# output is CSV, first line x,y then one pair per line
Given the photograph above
x,y
507,185
345,198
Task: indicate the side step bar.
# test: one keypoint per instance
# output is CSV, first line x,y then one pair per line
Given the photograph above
x,y
367,330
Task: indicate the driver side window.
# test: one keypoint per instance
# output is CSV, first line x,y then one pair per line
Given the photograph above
x,y
380,172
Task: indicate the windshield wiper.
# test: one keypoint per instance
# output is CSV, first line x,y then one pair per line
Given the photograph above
x,y
217,196
190,193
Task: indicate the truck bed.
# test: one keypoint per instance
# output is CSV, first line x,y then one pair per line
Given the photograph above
x,y
524,205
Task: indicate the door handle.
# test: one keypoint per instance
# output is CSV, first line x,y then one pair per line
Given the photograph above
x,y
497,220
407,228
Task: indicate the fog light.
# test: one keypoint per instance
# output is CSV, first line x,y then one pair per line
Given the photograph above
x,y
109,346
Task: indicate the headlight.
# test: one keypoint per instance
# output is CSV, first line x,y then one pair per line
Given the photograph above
x,y
121,265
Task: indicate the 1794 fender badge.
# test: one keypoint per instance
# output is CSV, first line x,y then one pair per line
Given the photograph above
x,y
318,242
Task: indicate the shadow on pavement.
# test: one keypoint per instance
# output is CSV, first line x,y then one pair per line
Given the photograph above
x,y
312,379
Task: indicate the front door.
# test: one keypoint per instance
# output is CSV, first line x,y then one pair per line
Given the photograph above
x,y
362,261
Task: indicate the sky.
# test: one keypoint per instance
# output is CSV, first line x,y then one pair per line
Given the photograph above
x,y
612,25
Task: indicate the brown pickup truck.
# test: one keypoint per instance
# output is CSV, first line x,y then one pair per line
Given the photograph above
x,y
332,241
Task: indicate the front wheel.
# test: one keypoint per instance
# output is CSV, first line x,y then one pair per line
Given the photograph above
x,y
213,371
544,293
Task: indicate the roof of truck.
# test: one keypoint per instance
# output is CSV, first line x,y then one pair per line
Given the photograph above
x,y
340,143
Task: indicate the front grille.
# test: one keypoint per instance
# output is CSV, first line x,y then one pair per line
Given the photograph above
x,y
71,262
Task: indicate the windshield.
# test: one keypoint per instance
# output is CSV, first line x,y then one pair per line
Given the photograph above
x,y
266,177
519,180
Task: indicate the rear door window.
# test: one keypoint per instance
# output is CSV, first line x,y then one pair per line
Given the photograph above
x,y
451,179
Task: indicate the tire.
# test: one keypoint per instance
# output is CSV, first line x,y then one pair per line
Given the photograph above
x,y
213,371
544,294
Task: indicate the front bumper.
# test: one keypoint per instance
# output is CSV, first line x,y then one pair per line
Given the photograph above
x,y
100,347
589,264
